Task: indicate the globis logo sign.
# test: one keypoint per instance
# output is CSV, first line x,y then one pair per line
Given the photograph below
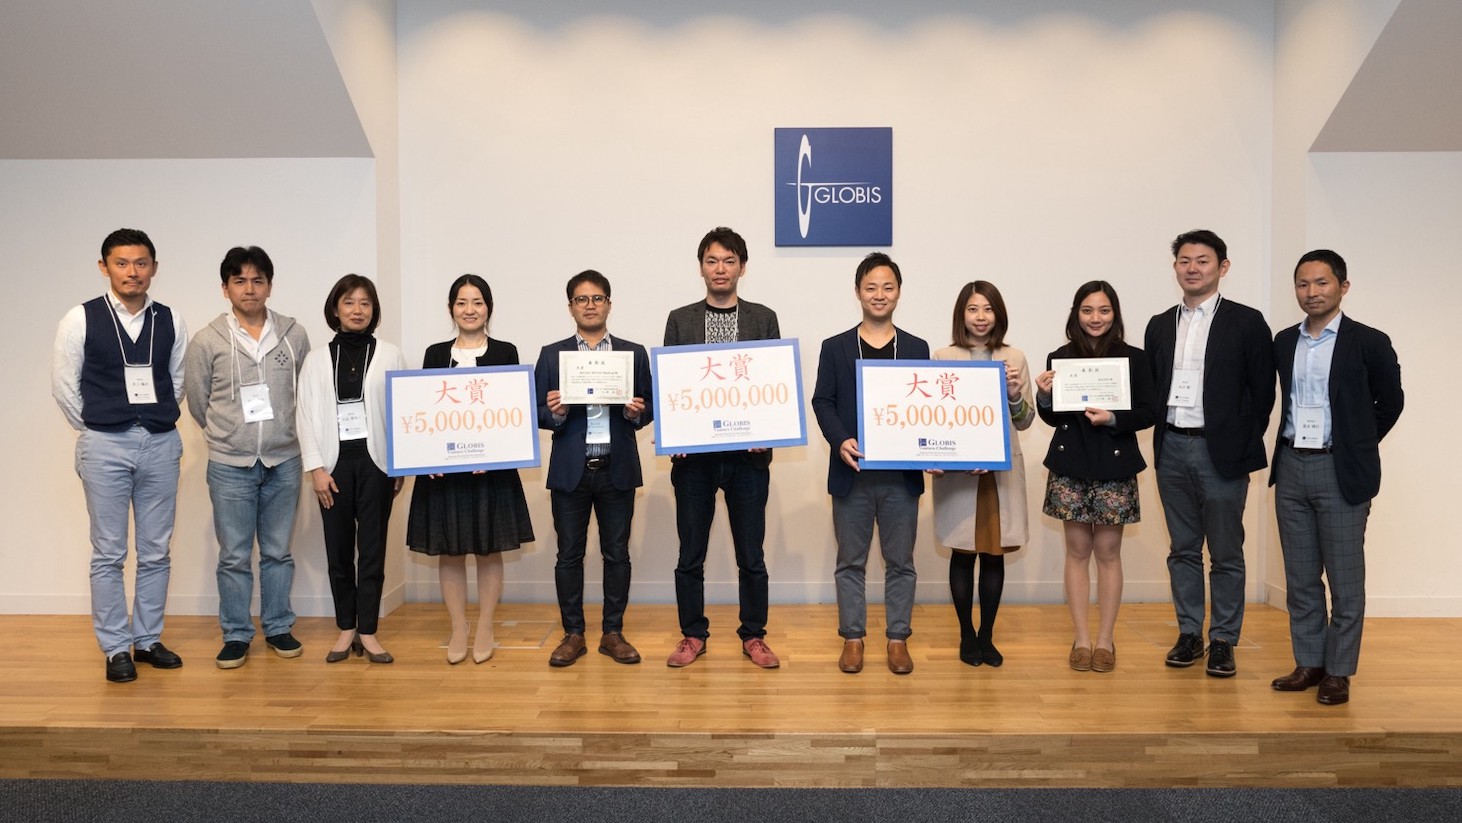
x,y
834,187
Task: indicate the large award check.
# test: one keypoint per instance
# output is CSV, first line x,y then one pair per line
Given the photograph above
x,y
728,396
457,420
596,377
938,414
1095,382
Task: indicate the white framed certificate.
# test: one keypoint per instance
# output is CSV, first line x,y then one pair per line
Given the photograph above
x,y
1091,382
728,396
945,414
587,377
457,420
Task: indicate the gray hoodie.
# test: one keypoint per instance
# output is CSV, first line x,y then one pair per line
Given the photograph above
x,y
213,370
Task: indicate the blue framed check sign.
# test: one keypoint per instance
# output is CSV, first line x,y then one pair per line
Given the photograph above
x,y
728,396
834,187
458,420
933,414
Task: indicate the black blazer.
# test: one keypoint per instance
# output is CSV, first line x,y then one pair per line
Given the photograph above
x,y
566,462
687,325
1238,384
835,402
1365,402
499,353
1079,449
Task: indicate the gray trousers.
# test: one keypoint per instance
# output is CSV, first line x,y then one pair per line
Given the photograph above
x,y
1200,505
1320,533
877,497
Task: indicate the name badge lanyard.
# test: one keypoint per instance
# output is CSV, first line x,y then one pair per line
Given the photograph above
x,y
254,396
350,412
861,356
1187,375
1309,412
597,418
140,388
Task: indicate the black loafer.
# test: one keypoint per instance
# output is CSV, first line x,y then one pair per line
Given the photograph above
x,y
285,645
1221,659
120,668
1187,651
159,657
234,654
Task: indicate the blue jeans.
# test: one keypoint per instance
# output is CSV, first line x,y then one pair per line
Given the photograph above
x,y
614,509
134,472
257,501
745,482
1200,504
877,498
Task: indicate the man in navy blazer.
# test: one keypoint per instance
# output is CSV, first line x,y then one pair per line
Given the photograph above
x,y
1341,389
594,466
1213,366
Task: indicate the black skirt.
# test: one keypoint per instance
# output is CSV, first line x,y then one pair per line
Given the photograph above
x,y
465,513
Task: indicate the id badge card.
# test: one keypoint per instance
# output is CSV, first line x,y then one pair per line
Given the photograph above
x,y
140,388
351,419
1309,427
1184,393
256,403
598,424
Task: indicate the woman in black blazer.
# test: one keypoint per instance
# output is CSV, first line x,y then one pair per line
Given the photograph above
x,y
1093,462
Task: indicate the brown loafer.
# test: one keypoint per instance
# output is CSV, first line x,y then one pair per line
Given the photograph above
x,y
1303,677
851,660
618,649
1334,690
899,661
1080,658
571,648
1103,660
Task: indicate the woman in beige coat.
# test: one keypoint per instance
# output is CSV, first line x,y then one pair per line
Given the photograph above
x,y
982,514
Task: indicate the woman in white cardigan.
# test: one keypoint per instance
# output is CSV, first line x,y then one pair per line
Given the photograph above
x,y
341,420
982,514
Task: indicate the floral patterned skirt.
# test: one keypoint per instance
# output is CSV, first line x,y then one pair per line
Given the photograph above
x,y
1100,502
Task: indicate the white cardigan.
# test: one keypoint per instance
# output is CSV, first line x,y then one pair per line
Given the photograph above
x,y
319,434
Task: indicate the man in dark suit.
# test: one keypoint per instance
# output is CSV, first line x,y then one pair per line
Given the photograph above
x,y
1341,388
594,465
1213,365
744,477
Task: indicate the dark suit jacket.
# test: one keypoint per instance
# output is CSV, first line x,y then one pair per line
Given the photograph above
x,y
686,326
835,402
1365,402
1238,384
1079,449
566,462
499,353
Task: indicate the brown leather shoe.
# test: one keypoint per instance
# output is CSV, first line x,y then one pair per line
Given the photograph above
x,y
1103,660
1334,690
851,660
899,661
1303,677
618,649
1080,658
571,648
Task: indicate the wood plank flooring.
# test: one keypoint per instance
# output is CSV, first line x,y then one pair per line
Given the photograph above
x,y
724,722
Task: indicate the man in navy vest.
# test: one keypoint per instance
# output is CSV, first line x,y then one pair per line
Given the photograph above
x,y
117,374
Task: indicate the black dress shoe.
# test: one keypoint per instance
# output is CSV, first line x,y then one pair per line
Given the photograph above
x,y
1334,690
120,668
159,657
969,651
989,653
1187,651
1221,659
1303,677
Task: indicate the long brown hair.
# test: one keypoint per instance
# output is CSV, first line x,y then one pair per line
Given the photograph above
x,y
960,334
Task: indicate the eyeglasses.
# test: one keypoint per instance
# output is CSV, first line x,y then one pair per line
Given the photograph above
x,y
582,300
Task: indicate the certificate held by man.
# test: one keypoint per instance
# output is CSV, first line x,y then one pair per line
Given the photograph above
x,y
594,377
1091,383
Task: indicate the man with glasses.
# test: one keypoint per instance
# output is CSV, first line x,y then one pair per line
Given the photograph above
x,y
594,466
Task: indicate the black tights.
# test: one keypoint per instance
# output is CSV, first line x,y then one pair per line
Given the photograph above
x,y
962,590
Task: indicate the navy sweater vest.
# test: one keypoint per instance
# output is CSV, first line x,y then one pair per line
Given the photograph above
x,y
104,405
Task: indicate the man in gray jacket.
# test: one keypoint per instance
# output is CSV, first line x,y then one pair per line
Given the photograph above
x,y
742,476
239,378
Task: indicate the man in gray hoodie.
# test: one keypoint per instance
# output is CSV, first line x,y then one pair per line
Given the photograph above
x,y
239,379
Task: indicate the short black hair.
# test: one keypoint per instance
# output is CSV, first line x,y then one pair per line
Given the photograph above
x,y
587,276
240,256
1326,256
873,261
344,286
128,237
1202,237
726,238
475,282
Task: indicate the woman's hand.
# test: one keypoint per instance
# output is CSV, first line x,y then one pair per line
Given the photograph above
x,y
325,488
1014,379
1044,381
1098,417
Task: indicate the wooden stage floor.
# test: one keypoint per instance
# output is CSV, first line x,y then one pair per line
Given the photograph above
x,y
723,722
